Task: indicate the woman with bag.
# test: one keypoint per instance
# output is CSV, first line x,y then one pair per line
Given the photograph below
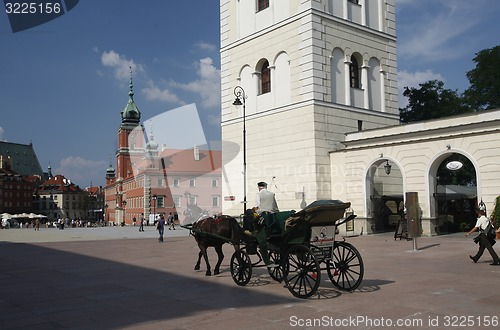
x,y
483,224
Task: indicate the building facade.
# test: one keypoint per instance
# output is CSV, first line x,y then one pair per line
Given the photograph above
x,y
20,173
151,180
320,119
59,198
415,153
311,71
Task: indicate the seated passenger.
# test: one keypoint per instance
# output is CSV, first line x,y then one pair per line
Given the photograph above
x,y
265,206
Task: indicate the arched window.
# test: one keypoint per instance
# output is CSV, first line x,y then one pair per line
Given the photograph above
x,y
354,73
265,82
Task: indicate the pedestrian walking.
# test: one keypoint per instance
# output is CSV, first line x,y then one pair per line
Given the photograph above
x,y
483,224
141,222
160,226
170,221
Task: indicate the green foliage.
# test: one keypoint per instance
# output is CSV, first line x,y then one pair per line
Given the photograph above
x,y
484,91
431,101
495,215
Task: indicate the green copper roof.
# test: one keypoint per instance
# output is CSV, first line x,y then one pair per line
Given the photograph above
x,y
22,158
131,114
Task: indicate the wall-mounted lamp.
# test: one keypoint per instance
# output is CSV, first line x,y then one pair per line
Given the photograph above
x,y
387,168
448,147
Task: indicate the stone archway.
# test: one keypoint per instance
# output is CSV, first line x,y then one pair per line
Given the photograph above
x,y
385,195
454,192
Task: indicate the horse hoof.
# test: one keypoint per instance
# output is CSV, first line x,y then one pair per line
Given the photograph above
x,y
216,272
208,273
196,267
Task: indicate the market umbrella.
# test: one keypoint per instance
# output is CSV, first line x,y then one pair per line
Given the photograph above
x,y
21,215
6,216
34,215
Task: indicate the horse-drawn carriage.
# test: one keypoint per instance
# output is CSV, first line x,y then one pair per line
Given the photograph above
x,y
302,244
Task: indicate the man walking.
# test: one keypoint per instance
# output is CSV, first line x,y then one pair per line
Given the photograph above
x,y
161,228
141,222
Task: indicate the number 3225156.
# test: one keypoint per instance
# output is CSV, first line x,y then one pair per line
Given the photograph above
x,y
32,8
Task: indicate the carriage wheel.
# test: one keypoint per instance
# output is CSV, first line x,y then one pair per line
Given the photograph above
x,y
277,272
346,269
241,267
301,271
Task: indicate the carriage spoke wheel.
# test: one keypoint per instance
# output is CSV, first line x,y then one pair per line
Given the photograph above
x,y
241,267
301,271
277,272
346,269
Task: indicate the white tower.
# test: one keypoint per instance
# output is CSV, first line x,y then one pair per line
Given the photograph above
x,y
311,71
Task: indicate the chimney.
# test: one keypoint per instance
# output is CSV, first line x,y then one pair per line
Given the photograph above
x,y
196,150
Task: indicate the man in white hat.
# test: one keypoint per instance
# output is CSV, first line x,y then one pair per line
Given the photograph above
x,y
265,200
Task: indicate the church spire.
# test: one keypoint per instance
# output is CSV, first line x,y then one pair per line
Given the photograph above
x,y
131,116
131,86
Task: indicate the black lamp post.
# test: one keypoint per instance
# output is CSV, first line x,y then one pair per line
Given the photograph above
x,y
154,207
106,215
124,204
239,92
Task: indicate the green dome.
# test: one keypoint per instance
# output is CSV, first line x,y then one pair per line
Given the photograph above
x,y
131,114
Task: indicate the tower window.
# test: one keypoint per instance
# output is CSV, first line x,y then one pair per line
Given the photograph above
x,y
262,4
354,73
265,78
354,1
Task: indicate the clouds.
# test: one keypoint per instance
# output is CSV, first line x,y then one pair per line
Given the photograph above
x,y
120,64
436,38
433,30
80,170
205,86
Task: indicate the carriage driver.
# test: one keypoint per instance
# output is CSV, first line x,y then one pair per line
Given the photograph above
x,y
265,203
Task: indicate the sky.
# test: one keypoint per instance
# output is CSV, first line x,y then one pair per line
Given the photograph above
x,y
64,83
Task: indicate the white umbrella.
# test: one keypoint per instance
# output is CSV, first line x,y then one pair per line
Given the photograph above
x,y
21,215
6,216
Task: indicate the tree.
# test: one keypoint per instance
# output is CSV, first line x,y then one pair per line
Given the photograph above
x,y
431,101
484,90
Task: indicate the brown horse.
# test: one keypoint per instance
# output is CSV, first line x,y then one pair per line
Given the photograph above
x,y
215,232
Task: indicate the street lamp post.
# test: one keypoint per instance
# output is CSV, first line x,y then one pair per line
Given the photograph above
x,y
106,215
239,92
154,207
124,204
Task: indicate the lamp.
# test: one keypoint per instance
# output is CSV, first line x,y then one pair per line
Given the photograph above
x,y
239,92
387,168
124,204
154,198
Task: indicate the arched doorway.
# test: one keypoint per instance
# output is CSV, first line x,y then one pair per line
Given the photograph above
x,y
455,193
386,197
